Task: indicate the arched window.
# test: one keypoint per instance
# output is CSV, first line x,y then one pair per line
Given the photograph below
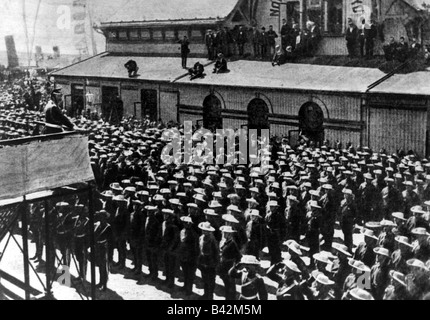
x,y
212,113
258,114
311,121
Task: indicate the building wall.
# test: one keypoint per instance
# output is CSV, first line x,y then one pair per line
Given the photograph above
x,y
166,49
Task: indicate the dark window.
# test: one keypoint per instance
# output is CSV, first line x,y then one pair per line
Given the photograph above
x,y
149,104
212,113
123,35
258,114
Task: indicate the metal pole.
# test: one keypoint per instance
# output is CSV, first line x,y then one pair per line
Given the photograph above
x,y
48,251
24,228
92,244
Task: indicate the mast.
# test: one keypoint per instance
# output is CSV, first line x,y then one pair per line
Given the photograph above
x,y
93,42
27,41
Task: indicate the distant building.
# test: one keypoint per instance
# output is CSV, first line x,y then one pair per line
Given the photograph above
x,y
326,102
12,56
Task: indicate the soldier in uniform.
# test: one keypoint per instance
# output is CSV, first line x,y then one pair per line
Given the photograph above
x,y
360,274
397,290
54,117
120,229
348,214
322,288
342,268
36,223
287,275
208,259
188,250
252,284
103,237
152,240
379,272
64,231
401,255
418,280
81,241
229,256
255,234
410,198
366,198
328,209
169,243
137,235
364,251
313,231
421,246
275,221
293,216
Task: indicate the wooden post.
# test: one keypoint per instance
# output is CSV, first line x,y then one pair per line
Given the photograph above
x,y
92,244
24,228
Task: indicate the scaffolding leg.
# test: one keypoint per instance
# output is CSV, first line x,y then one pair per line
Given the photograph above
x,y
92,244
48,252
24,228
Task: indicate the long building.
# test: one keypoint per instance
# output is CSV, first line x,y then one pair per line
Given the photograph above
x,y
360,105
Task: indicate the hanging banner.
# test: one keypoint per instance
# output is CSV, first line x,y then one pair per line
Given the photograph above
x,y
358,9
40,166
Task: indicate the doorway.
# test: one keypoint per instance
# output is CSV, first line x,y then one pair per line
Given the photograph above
x,y
77,100
108,95
311,122
149,104
212,113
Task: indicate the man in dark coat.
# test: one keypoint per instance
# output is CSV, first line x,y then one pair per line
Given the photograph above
x,y
370,38
252,284
54,117
379,273
208,259
169,242
351,34
152,240
348,214
241,41
229,256
209,44
185,50
263,43
285,34
220,64
103,236
364,251
271,40
188,250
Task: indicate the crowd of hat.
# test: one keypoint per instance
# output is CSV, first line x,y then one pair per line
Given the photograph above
x,y
225,198
388,194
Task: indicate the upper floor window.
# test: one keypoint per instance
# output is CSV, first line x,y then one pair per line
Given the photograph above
x,y
122,35
145,34
134,34
112,34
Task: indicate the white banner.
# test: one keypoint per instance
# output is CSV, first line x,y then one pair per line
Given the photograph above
x,y
39,166
357,10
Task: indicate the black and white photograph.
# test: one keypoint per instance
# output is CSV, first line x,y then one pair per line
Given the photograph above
x,y
229,151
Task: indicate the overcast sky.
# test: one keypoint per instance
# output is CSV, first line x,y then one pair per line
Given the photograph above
x,y
47,33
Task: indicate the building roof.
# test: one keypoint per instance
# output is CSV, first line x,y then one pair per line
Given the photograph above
x,y
417,4
416,83
106,65
257,74
173,10
253,74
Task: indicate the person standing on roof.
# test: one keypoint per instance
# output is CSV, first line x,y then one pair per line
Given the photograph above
x,y
185,50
